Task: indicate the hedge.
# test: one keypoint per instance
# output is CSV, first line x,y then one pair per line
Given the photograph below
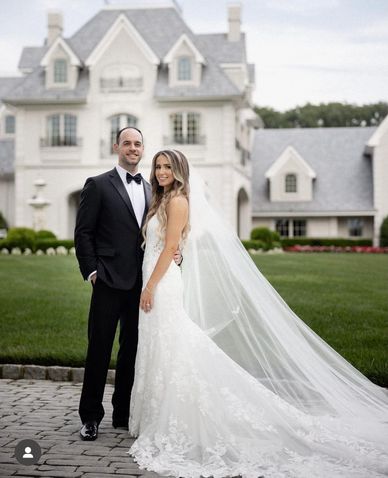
x,y
319,241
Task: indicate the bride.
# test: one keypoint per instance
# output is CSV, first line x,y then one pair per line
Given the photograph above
x,y
229,381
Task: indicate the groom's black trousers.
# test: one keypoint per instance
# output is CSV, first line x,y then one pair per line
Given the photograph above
x,y
107,307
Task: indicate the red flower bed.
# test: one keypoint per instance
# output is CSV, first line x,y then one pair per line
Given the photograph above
x,y
363,249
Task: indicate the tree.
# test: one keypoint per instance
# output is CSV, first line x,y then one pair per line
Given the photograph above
x,y
324,115
384,233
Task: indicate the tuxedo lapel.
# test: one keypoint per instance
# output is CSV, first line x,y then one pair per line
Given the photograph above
x,y
147,195
118,184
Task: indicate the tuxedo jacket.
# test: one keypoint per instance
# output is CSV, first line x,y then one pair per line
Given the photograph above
x,y
107,235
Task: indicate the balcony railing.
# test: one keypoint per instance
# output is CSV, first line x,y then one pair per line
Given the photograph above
x,y
133,85
177,139
58,142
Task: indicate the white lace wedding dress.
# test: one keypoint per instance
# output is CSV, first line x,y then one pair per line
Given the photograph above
x,y
195,412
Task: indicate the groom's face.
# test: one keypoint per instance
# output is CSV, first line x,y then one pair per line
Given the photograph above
x,y
130,149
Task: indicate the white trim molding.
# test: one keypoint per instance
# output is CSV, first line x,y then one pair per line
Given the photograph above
x,y
121,23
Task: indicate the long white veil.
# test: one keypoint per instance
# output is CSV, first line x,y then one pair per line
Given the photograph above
x,y
227,296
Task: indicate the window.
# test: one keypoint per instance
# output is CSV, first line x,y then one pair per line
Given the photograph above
x,y
290,183
185,128
10,124
355,227
282,227
61,130
184,68
299,227
291,227
60,71
118,122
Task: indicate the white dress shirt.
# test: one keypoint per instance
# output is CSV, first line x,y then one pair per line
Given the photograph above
x,y
136,195
135,192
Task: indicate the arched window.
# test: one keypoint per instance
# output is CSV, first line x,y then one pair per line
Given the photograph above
x,y
118,122
184,68
60,71
61,130
291,183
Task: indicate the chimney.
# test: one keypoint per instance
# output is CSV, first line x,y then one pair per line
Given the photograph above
x,y
54,26
234,20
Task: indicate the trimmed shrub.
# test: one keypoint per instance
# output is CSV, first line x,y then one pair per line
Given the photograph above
x,y
253,244
43,234
318,241
262,234
384,233
21,237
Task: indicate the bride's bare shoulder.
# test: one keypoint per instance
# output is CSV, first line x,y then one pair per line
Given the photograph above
x,y
179,201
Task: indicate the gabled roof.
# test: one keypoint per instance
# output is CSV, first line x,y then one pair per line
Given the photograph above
x,y
289,153
60,42
184,39
31,89
343,174
7,158
160,28
214,84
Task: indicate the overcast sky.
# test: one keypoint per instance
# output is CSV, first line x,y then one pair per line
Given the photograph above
x,y
304,50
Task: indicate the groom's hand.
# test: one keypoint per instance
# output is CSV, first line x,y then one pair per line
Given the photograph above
x,y
93,278
178,258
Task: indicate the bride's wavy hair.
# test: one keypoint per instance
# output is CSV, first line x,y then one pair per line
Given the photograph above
x,y
180,187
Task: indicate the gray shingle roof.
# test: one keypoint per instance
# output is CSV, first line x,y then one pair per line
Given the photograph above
x,y
32,89
7,157
31,56
217,46
160,28
344,174
7,84
214,83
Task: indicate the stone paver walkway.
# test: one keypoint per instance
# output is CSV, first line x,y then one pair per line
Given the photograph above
x,y
46,412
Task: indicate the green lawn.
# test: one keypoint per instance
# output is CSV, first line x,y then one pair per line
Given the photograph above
x,y
343,297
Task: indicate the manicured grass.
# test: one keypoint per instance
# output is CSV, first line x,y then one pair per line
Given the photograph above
x,y
343,297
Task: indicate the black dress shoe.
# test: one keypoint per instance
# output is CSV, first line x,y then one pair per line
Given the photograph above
x,y
89,431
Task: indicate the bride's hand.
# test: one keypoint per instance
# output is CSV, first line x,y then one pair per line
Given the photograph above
x,y
146,300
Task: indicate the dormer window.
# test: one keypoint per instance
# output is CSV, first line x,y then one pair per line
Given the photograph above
x,y
60,71
184,68
291,183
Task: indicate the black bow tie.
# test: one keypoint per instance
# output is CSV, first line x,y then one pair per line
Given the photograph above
x,y
136,178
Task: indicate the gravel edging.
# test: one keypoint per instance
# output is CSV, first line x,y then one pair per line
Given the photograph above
x,y
41,372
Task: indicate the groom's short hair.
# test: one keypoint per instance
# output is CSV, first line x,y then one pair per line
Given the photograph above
x,y
128,127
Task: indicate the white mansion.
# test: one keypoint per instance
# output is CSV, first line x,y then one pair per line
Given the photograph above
x,y
135,66
145,67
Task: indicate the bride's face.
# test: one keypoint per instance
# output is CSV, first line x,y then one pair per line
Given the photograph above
x,y
163,172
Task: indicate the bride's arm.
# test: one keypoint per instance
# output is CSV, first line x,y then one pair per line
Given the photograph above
x,y
177,215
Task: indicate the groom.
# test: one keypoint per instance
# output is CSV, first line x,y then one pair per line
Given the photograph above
x,y
108,242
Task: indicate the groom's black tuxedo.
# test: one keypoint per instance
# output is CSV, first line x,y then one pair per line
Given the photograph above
x,y
108,240
107,236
